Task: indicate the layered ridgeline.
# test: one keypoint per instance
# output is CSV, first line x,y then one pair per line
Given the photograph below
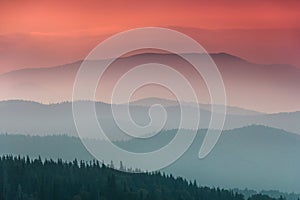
x,y
47,180
274,88
256,157
31,118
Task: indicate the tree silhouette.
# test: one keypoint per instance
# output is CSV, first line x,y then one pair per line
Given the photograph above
x,y
25,179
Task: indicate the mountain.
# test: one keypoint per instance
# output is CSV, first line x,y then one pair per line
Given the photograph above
x,y
274,87
23,117
168,103
256,157
259,45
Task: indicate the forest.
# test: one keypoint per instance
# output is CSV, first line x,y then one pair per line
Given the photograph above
x,y
22,178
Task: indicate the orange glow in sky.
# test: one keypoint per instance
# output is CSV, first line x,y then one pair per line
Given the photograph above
x,y
43,33
71,16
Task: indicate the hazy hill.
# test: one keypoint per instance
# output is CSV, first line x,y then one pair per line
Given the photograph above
x,y
254,157
22,117
274,87
168,103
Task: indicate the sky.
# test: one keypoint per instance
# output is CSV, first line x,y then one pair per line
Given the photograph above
x,y
46,33
58,17
37,34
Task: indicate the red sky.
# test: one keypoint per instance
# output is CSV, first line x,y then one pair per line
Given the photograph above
x,y
45,33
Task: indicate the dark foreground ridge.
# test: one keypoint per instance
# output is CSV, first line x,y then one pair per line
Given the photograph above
x,y
23,179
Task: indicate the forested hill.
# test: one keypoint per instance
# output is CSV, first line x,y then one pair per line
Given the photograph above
x,y
24,179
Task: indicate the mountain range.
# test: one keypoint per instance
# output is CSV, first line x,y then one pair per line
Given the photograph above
x,y
31,118
254,157
275,87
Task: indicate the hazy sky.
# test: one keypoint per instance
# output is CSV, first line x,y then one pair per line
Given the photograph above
x,y
60,17
45,33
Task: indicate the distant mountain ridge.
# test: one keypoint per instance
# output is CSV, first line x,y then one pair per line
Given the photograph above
x,y
168,102
23,117
274,87
221,55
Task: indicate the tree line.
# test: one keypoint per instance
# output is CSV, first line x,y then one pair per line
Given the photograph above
x,y
22,178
